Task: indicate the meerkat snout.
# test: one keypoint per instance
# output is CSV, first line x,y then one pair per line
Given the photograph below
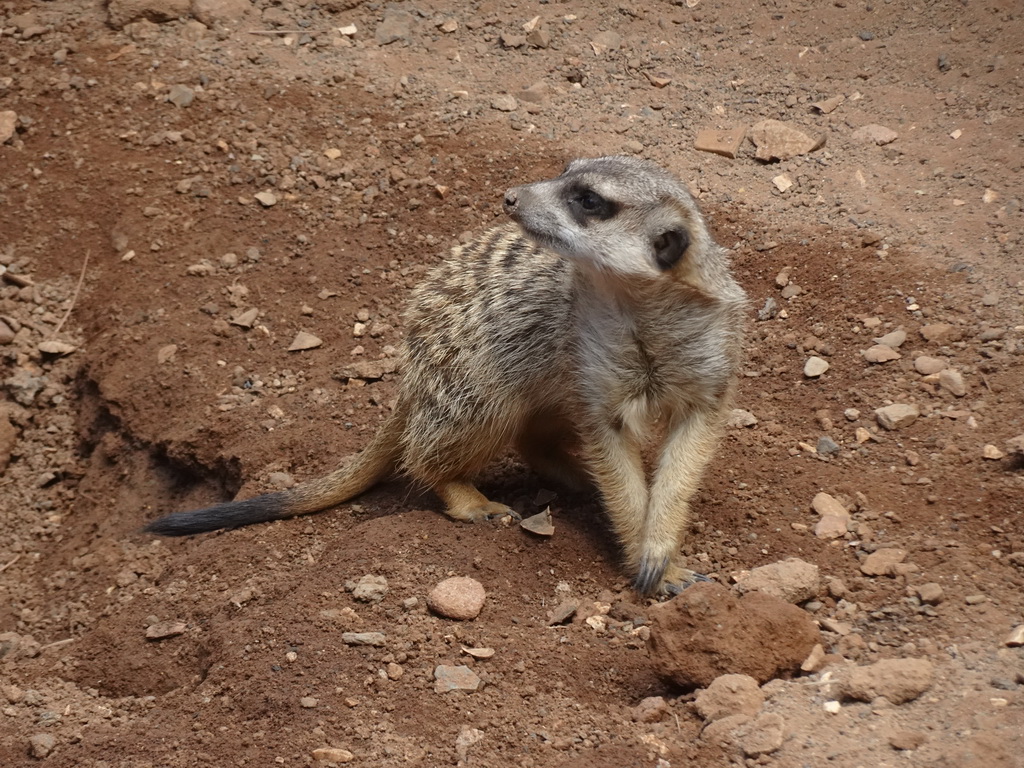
x,y
511,201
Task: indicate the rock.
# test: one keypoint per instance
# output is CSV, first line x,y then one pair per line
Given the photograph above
x,y
221,13
730,695
762,736
722,142
41,744
606,41
8,439
303,341
504,102
815,367
930,593
792,580
121,12
7,333
815,661
926,365
467,738
829,105
23,386
266,198
537,93
952,381
882,562
538,37
834,521
897,416
375,639
907,740
782,183
181,95
460,598
752,736
992,453
562,612
826,446
706,632
1016,637
8,124
739,418
54,347
368,370
333,755
396,25
650,710
898,680
245,318
540,524
878,134
512,40
1015,444
455,678
826,504
880,353
165,629
776,140
894,339
939,332
308,702
370,589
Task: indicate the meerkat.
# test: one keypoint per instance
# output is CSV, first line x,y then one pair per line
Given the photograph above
x,y
602,317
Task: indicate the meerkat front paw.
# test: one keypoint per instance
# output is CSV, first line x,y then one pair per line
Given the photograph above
x,y
662,576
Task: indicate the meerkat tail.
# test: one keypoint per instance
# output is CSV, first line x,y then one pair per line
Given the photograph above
x,y
375,462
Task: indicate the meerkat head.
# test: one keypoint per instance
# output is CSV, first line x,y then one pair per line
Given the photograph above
x,y
618,214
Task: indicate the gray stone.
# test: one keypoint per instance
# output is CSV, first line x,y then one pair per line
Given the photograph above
x,y
396,25
827,446
877,134
729,695
375,639
455,678
220,13
815,367
792,580
897,415
952,381
898,680
121,12
370,589
882,562
880,353
776,140
504,102
41,744
8,124
181,95
926,365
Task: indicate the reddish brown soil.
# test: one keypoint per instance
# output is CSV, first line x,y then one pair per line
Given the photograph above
x,y
921,231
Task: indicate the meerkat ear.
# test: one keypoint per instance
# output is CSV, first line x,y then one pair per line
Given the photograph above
x,y
669,248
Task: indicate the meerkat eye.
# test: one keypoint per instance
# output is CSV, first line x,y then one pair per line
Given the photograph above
x,y
586,205
589,200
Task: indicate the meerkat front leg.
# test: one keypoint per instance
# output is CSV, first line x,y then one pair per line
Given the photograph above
x,y
687,448
612,455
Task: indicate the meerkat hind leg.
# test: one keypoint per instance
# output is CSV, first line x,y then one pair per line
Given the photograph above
x,y
462,501
545,444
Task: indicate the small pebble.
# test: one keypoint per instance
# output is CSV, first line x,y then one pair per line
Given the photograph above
x,y
815,367
455,678
460,598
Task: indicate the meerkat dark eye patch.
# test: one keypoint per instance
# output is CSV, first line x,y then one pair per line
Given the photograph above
x,y
585,203
669,248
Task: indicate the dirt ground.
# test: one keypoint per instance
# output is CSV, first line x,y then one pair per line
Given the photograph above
x,y
186,187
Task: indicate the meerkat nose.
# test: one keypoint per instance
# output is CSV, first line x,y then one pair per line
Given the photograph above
x,y
511,201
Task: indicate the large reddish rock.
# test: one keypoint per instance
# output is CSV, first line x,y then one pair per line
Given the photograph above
x,y
707,631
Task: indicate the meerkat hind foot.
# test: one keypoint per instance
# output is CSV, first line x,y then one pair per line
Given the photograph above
x,y
462,501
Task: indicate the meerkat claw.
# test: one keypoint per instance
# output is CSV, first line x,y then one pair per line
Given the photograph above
x,y
650,575
687,578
